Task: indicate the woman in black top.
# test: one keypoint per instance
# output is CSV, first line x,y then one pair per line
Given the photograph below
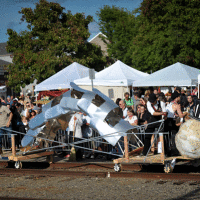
x,y
142,115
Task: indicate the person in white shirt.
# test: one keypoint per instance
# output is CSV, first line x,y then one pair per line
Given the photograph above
x,y
174,111
122,105
154,108
131,117
75,132
155,115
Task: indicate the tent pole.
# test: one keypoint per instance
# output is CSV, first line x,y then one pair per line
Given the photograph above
x,y
92,83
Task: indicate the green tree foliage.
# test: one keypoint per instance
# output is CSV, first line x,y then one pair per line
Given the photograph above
x,y
119,27
54,40
169,32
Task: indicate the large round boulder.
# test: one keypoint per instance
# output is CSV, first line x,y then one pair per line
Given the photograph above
x,y
188,139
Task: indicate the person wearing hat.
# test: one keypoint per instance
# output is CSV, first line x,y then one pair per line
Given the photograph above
x,y
154,108
174,111
154,114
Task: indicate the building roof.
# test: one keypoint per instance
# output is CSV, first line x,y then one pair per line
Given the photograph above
x,y
2,62
100,33
98,41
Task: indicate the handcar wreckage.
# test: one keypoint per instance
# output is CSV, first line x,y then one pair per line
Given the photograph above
x,y
111,129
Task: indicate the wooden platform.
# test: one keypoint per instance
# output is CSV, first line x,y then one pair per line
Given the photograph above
x,y
150,159
27,157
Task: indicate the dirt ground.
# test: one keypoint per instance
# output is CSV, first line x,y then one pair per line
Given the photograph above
x,y
96,188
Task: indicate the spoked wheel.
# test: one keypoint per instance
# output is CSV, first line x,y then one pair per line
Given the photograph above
x,y
18,165
169,166
117,167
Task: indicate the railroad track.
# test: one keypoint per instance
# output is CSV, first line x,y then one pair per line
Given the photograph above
x,y
99,169
76,174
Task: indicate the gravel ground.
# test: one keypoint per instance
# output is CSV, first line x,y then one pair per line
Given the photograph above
x,y
96,188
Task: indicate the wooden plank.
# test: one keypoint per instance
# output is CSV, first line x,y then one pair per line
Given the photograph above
x,y
13,145
139,159
136,151
179,158
162,155
27,157
126,147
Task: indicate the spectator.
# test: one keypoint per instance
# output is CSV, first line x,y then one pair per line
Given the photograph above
x,y
155,91
146,95
122,105
25,124
128,101
3,102
162,101
173,110
27,108
136,100
118,100
5,123
183,99
154,108
21,100
143,101
87,133
75,124
17,124
138,110
153,115
33,114
131,117
8,102
142,115
191,105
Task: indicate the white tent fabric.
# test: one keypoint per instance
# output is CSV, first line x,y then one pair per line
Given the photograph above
x,y
118,74
177,74
62,79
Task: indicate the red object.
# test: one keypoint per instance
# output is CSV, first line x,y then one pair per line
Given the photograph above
x,y
159,90
55,93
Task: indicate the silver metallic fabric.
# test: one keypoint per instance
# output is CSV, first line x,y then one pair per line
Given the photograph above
x,y
101,110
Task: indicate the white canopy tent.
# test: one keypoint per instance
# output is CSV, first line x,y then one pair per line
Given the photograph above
x,y
114,80
62,79
118,74
177,74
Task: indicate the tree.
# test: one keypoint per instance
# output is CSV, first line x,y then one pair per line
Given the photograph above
x,y
54,40
169,32
118,25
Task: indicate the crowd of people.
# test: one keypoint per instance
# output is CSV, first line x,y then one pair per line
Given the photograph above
x,y
151,105
143,108
15,114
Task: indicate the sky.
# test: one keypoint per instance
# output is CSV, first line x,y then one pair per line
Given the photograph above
x,y
10,18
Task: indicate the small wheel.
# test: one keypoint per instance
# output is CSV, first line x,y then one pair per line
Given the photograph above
x,y
117,167
168,168
18,165
49,159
